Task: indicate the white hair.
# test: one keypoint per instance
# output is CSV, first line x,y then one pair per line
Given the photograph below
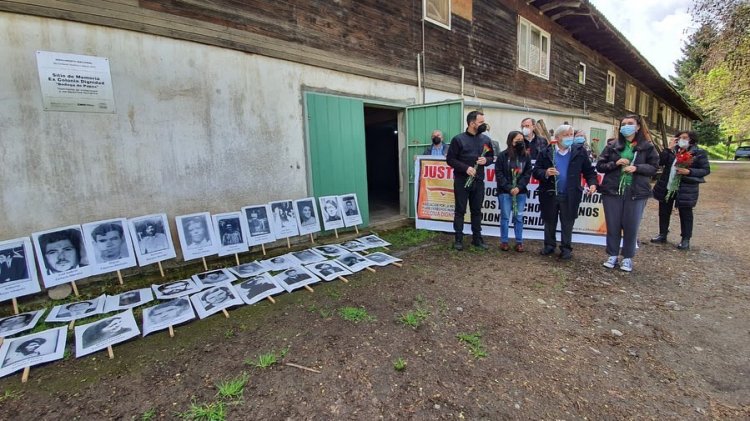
x,y
563,128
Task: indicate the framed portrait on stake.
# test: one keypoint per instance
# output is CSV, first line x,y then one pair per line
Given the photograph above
x,y
247,270
215,299
213,277
259,226
17,269
382,259
77,310
128,299
257,288
105,332
328,270
330,211
169,313
231,229
354,262
354,245
111,243
62,255
331,250
283,219
175,289
19,322
151,238
307,215
350,207
373,241
295,277
197,237
283,262
308,256
33,349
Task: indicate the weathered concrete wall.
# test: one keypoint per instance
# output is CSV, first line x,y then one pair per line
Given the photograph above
x,y
197,128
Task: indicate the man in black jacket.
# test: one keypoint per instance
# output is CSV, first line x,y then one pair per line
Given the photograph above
x,y
468,154
534,143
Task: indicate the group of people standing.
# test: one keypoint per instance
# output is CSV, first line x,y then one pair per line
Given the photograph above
x,y
627,163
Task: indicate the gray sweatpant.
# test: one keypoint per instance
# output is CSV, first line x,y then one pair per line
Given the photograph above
x,y
623,216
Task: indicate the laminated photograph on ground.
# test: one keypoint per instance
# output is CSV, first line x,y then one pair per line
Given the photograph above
x,y
213,277
62,255
247,270
373,241
382,259
283,262
30,350
308,256
102,333
197,237
330,211
111,244
166,314
21,322
307,216
152,238
295,277
175,289
259,227
231,228
350,206
331,250
328,270
128,299
283,219
77,310
215,299
354,262
354,245
17,269
257,288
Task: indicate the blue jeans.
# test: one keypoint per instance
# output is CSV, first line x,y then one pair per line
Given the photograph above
x,y
506,208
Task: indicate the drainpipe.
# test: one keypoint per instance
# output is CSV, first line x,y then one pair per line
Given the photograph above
x,y
463,73
419,74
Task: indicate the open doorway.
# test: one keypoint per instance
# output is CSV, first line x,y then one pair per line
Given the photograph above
x,y
381,143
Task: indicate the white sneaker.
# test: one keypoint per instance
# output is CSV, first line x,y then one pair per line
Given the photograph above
x,y
611,262
627,265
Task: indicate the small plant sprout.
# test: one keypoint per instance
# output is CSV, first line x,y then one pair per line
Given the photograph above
x,y
213,411
414,318
474,342
355,314
399,364
232,389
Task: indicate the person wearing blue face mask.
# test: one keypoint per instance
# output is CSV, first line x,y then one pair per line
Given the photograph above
x,y
559,169
628,164
580,139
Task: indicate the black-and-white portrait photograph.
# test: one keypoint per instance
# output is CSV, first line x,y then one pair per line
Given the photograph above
x,y
33,349
283,219
328,270
331,250
62,254
295,277
354,245
77,310
350,206
307,215
215,299
308,256
152,238
197,237
259,227
128,299
283,262
213,277
102,333
247,270
330,211
112,245
257,288
232,229
17,269
168,313
373,241
354,262
17,323
175,289
382,259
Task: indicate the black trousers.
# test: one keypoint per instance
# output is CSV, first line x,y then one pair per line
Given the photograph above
x,y
686,218
475,196
559,208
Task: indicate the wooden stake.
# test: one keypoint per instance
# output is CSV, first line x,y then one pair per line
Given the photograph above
x,y
205,266
288,244
226,313
370,269
119,276
307,287
75,288
269,299
343,279
1,340
110,352
237,258
312,240
25,375
72,325
386,248
263,247
335,231
161,269
15,305
302,367
356,229
397,264
171,331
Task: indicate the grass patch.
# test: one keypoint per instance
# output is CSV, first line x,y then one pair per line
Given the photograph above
x,y
334,293
399,364
9,394
474,342
408,237
148,415
323,312
414,318
213,411
355,314
268,359
232,389
229,333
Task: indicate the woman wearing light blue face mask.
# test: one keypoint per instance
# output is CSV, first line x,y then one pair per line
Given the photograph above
x,y
580,139
628,164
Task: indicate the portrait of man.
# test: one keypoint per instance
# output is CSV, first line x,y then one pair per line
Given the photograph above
x,y
169,311
175,289
27,349
214,297
13,265
77,309
33,349
15,323
350,207
257,288
308,256
330,250
327,269
295,275
213,277
151,237
99,332
196,230
229,229
129,297
61,250
353,262
247,269
257,221
354,245
109,242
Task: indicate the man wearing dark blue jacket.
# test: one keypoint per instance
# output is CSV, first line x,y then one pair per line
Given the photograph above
x,y
468,154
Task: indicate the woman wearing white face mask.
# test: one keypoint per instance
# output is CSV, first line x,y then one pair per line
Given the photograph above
x,y
628,164
690,169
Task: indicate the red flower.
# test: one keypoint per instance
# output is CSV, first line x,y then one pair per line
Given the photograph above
x,y
516,170
684,159
486,149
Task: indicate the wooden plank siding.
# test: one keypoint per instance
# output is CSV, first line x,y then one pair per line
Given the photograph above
x,y
374,38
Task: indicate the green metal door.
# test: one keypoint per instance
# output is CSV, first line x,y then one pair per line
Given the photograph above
x,y
421,120
336,133
600,134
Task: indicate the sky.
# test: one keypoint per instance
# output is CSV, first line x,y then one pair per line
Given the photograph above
x,y
658,29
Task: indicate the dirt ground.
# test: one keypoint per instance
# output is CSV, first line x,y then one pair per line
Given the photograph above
x,y
563,340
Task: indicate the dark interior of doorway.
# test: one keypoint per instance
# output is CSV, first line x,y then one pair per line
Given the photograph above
x,y
381,142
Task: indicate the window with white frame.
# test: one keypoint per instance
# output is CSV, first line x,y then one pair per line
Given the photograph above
x,y
667,116
630,93
655,111
437,12
582,73
533,49
643,104
611,79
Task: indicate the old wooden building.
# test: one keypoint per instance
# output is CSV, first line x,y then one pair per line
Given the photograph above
x,y
220,104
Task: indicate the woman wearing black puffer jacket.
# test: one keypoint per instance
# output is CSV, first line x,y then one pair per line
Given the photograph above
x,y
685,196
628,164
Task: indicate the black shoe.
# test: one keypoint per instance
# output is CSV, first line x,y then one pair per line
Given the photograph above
x,y
458,245
659,239
566,255
479,243
547,250
684,244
